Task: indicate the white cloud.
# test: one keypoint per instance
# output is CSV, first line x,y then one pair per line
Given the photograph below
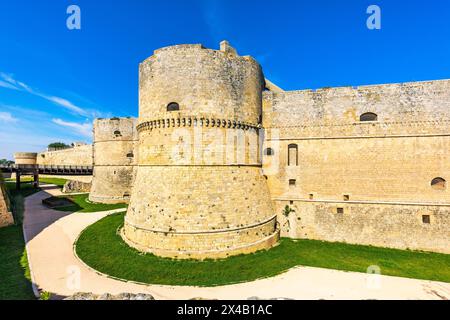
x,y
7,85
7,117
84,129
66,104
10,83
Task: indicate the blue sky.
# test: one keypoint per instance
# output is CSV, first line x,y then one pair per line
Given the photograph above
x,y
55,81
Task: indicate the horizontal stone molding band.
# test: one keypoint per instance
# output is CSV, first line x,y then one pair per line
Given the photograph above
x,y
370,123
174,232
115,140
362,137
200,165
196,122
116,165
261,244
109,199
398,203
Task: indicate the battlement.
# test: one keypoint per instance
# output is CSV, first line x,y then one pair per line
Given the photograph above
x,y
114,129
204,82
387,87
400,102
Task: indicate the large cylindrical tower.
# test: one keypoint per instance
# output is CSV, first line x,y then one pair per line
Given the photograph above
x,y
199,190
114,160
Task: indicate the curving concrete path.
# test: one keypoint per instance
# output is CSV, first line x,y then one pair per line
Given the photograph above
x,y
50,236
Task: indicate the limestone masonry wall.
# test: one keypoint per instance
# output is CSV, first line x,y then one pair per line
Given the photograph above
x,y
337,157
76,156
193,196
115,158
385,225
6,217
218,152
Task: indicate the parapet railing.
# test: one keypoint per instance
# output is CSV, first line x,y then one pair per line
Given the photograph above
x,y
49,169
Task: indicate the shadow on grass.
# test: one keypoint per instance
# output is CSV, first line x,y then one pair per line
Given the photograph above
x,y
61,204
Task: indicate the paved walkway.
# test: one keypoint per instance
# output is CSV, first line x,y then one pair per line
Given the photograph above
x,y
55,269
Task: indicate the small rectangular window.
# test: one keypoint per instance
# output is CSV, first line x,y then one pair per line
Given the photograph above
x,y
292,182
291,202
340,210
311,196
346,197
426,219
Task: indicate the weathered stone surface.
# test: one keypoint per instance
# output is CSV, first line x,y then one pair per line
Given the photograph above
x,y
107,296
195,194
6,217
80,155
72,186
377,173
198,193
115,158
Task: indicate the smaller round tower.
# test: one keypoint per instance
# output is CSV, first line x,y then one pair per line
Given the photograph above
x,y
25,159
114,160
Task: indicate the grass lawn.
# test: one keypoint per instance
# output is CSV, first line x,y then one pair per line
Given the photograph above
x,y
57,181
80,203
17,198
15,283
102,248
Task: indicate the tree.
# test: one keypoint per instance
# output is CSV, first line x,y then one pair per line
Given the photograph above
x,y
58,145
5,162
286,212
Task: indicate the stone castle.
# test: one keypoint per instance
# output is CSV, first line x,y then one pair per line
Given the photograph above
x,y
221,161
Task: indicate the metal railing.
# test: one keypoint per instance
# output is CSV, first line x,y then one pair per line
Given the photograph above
x,y
49,169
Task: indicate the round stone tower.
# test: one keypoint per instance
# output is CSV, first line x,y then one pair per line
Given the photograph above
x,y
25,159
114,160
199,191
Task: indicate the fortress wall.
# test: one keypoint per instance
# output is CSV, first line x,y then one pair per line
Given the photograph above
x,y
192,197
393,103
199,145
387,225
6,217
393,160
114,159
189,200
76,156
375,169
209,83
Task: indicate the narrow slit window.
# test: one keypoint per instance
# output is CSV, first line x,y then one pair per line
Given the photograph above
x,y
292,155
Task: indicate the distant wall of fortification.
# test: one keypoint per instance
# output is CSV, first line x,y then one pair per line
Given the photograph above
x,y
76,156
